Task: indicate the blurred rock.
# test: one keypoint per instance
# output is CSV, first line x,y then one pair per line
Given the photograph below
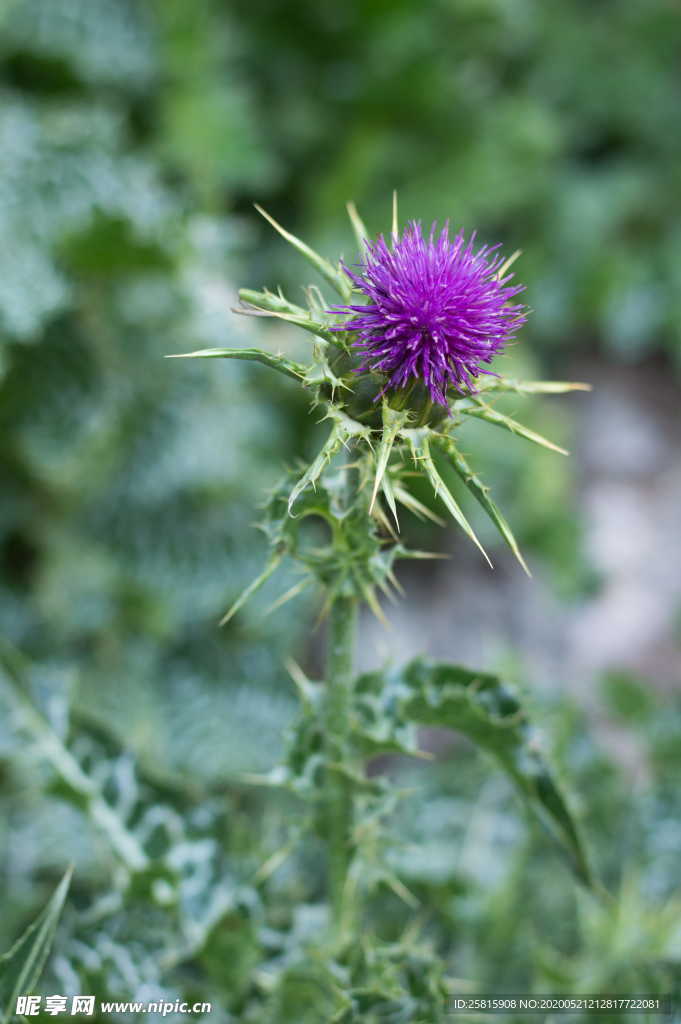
x,y
629,492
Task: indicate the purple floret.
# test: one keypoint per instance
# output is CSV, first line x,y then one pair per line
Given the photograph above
x,y
437,310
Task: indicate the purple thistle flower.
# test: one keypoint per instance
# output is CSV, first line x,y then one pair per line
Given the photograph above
x,y
437,310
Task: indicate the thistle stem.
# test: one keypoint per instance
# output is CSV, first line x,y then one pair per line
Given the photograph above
x,y
342,632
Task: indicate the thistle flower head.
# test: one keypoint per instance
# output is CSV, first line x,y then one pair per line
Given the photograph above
x,y
437,309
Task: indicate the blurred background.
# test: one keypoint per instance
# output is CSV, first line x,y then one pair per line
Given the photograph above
x,y
134,139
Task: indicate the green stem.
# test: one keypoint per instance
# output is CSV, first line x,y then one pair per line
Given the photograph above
x,y
342,630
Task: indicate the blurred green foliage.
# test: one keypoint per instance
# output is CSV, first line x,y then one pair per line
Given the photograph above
x,y
216,897
129,485
544,125
133,138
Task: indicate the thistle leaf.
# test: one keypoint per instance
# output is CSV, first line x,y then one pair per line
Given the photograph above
x,y
478,705
307,690
320,372
418,440
271,567
369,594
275,860
332,274
80,787
270,302
22,966
393,422
395,226
383,520
420,510
423,555
316,303
481,493
305,321
275,362
289,594
532,387
389,493
499,419
343,430
400,890
361,233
